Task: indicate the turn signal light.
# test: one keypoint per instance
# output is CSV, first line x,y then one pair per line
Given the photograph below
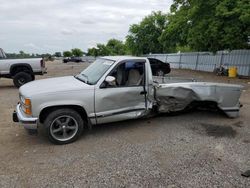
x,y
28,111
27,102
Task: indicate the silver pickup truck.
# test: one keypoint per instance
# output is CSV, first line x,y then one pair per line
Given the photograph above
x,y
113,89
21,71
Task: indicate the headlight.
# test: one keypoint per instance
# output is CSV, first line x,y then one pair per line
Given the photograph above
x,y
25,105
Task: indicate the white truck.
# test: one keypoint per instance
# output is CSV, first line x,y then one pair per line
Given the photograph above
x,y
21,70
113,89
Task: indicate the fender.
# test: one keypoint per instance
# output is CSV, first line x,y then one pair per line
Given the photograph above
x,y
12,67
80,109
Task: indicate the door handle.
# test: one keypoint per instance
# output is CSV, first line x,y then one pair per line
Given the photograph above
x,y
143,92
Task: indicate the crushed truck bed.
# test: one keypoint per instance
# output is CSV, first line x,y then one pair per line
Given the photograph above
x,y
175,94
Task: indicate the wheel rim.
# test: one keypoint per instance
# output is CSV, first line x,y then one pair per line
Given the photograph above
x,y
21,81
64,128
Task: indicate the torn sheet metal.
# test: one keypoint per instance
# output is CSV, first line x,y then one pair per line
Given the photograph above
x,y
172,99
177,96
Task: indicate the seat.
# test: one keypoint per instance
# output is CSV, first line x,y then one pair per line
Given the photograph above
x,y
119,76
134,78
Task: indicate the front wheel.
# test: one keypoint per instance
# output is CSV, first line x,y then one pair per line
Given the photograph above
x,y
21,78
63,126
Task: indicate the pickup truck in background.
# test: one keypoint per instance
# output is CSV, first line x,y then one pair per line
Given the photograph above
x,y
21,70
114,89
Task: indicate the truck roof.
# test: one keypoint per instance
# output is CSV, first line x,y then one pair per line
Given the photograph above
x,y
120,58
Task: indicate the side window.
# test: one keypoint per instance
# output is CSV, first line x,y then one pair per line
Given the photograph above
x,y
128,74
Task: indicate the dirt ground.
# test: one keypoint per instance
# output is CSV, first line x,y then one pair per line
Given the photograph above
x,y
195,149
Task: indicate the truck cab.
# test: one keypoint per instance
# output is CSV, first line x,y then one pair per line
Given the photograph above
x,y
126,79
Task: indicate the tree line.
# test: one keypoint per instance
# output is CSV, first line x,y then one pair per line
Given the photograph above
x,y
73,52
22,54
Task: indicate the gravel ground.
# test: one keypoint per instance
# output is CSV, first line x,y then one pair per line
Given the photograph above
x,y
195,149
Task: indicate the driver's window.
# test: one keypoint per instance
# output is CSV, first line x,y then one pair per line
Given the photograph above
x,y
128,74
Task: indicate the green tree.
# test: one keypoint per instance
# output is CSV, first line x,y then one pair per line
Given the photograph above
x,y
102,50
143,38
77,52
21,53
113,47
209,25
92,52
175,34
67,54
116,47
232,23
58,54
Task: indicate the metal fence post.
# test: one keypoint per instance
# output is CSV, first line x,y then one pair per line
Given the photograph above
x,y
221,59
166,59
249,70
197,60
180,61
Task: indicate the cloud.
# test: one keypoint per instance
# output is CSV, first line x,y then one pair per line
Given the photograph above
x,y
31,45
60,25
67,32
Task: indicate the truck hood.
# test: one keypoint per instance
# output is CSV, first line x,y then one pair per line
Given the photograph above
x,y
52,85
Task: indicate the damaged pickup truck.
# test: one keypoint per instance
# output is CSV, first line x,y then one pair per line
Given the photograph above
x,y
113,89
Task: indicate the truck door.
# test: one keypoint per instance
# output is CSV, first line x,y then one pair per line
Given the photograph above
x,y
125,98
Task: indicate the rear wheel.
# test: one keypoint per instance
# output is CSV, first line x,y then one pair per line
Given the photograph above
x,y
63,126
21,78
33,77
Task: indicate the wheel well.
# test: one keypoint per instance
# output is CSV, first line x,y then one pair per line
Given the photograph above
x,y
203,104
20,68
45,112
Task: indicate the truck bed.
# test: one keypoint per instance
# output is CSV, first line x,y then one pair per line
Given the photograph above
x,y
175,94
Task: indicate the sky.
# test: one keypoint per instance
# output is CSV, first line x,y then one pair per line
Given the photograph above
x,y
41,26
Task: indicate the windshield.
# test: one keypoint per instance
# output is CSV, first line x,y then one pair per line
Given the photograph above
x,y
95,71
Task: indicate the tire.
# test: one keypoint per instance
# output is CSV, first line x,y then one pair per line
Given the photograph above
x,y
21,78
168,70
33,77
63,126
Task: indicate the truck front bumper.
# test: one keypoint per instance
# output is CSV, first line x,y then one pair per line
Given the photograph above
x,y
27,122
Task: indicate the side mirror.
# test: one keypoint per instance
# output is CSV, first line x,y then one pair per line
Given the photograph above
x,y
110,80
